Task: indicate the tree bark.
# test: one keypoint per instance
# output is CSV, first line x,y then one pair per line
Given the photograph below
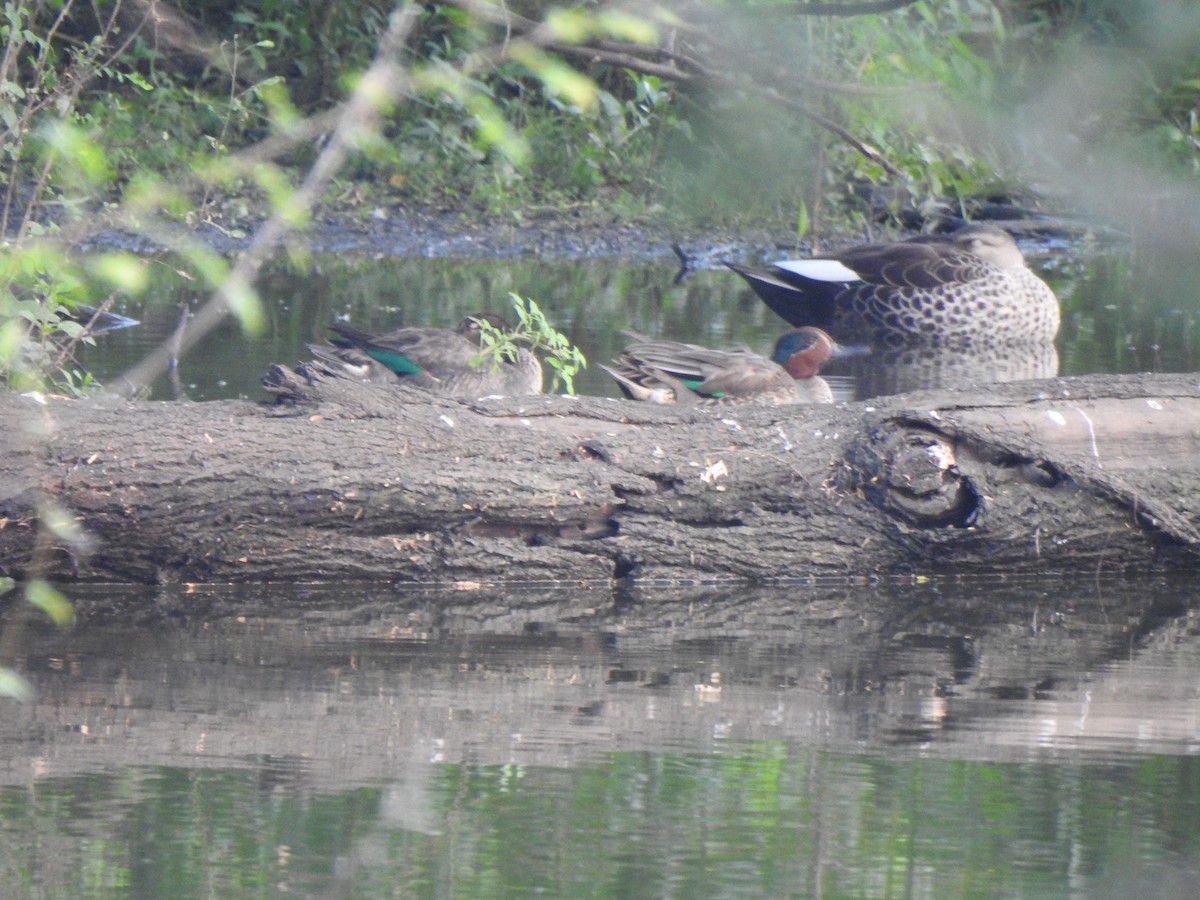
x,y
357,482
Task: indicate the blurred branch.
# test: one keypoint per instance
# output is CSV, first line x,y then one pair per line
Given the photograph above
x,y
386,78
870,152
678,67
845,9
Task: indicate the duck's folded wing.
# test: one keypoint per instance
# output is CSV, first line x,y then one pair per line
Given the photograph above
x,y
764,377
910,264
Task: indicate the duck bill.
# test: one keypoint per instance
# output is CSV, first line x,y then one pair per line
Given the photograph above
x,y
849,351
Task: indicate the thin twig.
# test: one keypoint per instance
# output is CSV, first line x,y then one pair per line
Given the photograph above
x,y
839,9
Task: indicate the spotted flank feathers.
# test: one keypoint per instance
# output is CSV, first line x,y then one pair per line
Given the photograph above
x,y
967,289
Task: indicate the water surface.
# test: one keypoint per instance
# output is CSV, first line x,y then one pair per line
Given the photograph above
x,y
944,739
1115,317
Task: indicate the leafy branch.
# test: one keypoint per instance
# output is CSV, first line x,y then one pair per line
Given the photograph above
x,y
649,58
532,332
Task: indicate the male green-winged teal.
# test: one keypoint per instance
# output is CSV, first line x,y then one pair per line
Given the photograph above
x,y
968,289
675,372
440,360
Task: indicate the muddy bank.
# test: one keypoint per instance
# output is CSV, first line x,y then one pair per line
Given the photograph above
x,y
585,233
468,234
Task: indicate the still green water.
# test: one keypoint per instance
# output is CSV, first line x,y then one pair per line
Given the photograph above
x,y
1116,316
818,741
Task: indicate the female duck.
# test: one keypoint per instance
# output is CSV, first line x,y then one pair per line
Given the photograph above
x,y
679,373
450,363
970,288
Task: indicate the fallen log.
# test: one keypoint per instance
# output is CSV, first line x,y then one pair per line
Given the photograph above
x,y
1070,475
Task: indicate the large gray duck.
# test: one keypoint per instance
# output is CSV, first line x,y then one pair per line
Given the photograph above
x,y
967,289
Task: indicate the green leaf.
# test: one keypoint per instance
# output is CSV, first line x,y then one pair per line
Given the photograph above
x,y
134,78
69,328
274,93
571,26
494,130
50,601
82,155
12,335
626,26
212,267
283,196
244,303
65,527
16,686
559,78
121,270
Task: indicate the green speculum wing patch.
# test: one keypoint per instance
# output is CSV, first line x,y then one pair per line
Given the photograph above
x,y
693,384
397,362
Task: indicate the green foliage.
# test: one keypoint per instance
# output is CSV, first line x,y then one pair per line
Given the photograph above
x,y
96,112
42,595
943,58
15,685
514,140
527,131
535,332
39,323
98,124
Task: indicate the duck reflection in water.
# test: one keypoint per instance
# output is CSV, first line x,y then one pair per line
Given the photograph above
x,y
917,368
